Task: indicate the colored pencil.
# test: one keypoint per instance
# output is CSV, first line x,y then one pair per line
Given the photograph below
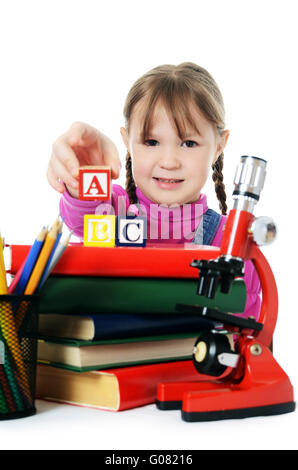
x,y
3,281
36,275
31,261
20,316
57,255
16,278
52,254
42,261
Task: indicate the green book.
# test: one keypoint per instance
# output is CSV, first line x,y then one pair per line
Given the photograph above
x,y
81,356
93,295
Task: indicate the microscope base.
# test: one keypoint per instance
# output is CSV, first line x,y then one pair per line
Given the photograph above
x,y
263,390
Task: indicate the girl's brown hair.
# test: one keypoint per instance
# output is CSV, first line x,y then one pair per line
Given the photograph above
x,y
177,87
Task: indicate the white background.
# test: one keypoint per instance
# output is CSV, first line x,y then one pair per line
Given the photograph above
x,y
69,60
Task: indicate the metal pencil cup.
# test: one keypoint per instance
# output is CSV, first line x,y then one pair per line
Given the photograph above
x,y
18,354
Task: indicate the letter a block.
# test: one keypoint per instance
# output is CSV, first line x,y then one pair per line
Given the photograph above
x,y
131,231
99,230
94,183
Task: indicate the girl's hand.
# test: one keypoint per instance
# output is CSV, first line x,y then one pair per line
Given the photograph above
x,y
80,145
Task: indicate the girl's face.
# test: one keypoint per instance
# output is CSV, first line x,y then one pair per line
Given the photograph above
x,y
168,170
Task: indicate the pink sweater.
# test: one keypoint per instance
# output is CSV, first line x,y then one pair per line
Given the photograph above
x,y
164,225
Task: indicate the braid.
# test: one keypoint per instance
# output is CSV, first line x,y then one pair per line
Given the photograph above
x,y
217,177
130,184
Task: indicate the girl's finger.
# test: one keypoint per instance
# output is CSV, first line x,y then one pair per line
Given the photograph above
x,y
62,173
63,153
54,180
82,134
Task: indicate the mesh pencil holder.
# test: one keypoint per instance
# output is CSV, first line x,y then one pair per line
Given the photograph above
x,y
18,354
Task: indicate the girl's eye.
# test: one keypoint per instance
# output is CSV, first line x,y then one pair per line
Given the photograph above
x,y
189,143
151,142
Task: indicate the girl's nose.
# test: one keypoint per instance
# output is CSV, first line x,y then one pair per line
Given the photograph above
x,y
169,160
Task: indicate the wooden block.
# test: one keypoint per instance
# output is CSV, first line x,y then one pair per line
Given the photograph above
x,y
99,230
94,183
131,231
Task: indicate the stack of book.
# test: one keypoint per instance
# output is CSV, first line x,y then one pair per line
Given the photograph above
x,y
109,330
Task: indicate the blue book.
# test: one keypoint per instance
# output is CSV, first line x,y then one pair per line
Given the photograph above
x,y
117,326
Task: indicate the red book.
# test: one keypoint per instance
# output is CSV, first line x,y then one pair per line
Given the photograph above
x,y
170,261
112,389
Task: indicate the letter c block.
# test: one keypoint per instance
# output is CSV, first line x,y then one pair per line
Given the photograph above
x,y
131,231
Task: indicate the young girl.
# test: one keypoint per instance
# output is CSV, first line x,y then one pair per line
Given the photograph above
x,y
174,134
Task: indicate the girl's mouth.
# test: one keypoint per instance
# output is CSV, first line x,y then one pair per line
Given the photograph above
x,y
168,183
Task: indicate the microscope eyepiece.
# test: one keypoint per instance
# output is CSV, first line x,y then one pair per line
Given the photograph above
x,y
249,178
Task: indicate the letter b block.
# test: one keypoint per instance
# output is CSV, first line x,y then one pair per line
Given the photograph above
x,y
99,230
131,231
94,183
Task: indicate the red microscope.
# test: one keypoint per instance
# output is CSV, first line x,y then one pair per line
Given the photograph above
x,y
237,378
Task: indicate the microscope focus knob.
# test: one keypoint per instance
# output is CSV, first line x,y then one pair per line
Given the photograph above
x,y
263,230
207,353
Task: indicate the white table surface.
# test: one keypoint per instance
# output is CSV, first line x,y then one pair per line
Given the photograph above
x,y
59,426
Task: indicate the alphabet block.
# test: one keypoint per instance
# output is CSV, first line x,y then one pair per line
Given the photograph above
x,y
131,231
99,230
94,183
